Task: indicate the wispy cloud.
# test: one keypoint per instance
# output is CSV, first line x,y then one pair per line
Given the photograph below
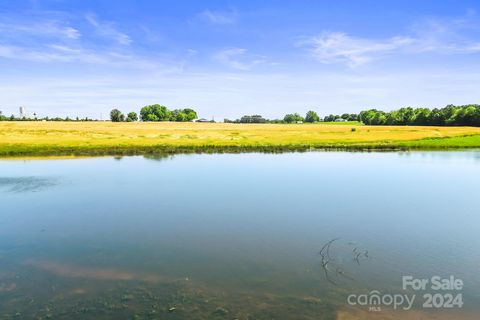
x,y
54,53
49,28
54,38
108,30
338,47
218,17
61,53
435,36
238,58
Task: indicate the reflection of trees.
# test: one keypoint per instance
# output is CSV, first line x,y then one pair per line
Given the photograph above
x,y
158,156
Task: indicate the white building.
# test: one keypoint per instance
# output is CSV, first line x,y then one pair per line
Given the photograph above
x,y
23,112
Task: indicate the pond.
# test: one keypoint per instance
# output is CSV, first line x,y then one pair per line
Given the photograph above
x,y
241,236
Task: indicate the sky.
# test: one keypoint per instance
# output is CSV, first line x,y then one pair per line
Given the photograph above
x,y
226,59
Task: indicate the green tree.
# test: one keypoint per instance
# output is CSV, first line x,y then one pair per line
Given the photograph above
x,y
293,118
178,115
451,115
132,116
311,117
150,117
190,114
155,112
116,116
422,116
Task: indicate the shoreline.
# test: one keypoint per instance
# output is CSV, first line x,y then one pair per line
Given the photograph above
x,y
166,150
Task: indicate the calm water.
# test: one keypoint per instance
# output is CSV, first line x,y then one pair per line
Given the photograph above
x,y
236,236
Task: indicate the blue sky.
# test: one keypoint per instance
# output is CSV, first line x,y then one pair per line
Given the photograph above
x,y
230,58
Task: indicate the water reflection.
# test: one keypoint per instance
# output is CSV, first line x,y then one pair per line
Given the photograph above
x,y
26,184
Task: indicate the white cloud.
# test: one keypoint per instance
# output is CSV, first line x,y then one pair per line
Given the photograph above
x,y
238,58
61,53
108,30
334,47
41,29
53,53
217,17
431,35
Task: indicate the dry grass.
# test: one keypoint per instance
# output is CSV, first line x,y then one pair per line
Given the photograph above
x,y
64,137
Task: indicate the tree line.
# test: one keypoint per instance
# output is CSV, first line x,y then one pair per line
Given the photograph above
x,y
310,117
155,112
35,118
451,115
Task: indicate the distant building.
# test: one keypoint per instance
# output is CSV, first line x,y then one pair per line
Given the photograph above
x,y
201,120
23,112
340,120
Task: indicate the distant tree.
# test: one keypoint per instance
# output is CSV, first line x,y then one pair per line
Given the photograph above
x,y
421,116
178,115
256,118
151,117
155,112
368,116
293,118
190,114
116,116
158,112
311,117
353,117
451,115
331,118
132,116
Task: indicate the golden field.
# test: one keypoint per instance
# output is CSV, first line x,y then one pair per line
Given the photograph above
x,y
50,138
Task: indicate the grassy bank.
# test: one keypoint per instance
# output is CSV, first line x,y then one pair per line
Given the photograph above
x,y
106,138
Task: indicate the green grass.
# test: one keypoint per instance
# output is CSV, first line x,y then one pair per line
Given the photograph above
x,y
472,141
